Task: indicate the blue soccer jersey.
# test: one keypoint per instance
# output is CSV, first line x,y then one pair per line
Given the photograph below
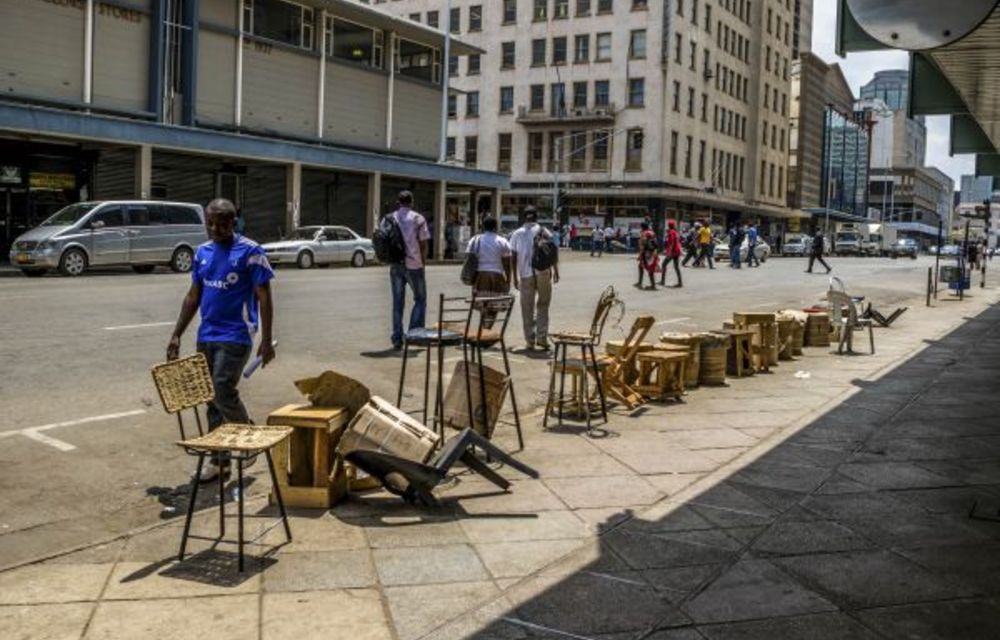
x,y
228,276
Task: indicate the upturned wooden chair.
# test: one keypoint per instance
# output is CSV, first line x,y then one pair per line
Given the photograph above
x,y
186,384
616,375
844,314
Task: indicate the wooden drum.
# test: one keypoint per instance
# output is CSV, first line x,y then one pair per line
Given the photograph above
x,y
714,347
692,342
786,330
817,329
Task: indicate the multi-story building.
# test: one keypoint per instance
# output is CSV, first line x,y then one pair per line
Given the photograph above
x,y
976,190
313,111
631,108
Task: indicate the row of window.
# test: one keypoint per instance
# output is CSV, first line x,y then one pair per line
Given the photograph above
x,y
540,11
694,13
767,179
558,106
732,83
776,139
581,50
730,123
771,102
780,64
739,8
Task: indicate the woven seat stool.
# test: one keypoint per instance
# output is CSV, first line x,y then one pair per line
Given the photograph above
x,y
187,383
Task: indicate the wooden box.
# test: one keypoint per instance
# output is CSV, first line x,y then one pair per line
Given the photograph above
x,y
305,463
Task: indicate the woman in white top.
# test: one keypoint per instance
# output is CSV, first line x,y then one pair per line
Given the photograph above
x,y
494,253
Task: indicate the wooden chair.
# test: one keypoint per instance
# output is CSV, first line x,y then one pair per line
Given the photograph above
x,y
586,340
764,346
617,374
844,314
187,383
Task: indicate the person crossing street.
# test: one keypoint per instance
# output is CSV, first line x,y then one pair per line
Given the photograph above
x,y
817,252
671,254
752,236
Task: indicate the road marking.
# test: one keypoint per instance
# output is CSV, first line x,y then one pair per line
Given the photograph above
x,y
763,305
538,627
138,326
672,321
35,433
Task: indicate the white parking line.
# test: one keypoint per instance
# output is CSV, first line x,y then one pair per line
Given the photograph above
x,y
138,326
672,321
35,433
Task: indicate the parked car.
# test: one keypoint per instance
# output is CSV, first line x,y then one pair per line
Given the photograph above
x,y
796,245
311,246
139,233
762,250
950,250
904,247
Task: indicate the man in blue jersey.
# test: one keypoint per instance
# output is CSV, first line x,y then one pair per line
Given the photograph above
x,y
230,278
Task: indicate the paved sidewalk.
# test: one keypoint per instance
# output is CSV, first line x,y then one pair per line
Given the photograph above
x,y
833,506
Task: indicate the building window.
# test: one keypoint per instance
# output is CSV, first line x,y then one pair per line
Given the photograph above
x,y
280,21
537,97
633,150
701,160
581,51
471,151
708,18
455,20
541,11
578,151
432,19
556,150
559,50
704,107
536,151
472,104
418,61
506,99
673,153
636,92
691,102
583,7
557,99
560,10
474,65
599,150
476,18
639,5
689,142
580,95
349,41
677,95
449,147
603,47
602,93
693,65
637,45
538,52
605,6
507,55
509,11
452,66
452,106
678,47
415,17
504,152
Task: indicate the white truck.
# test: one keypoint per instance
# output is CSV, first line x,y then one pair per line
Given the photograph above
x,y
847,240
877,238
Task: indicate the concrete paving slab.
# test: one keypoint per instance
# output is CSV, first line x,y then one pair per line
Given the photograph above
x,y
357,614
417,610
788,538
140,581
545,525
519,559
413,531
53,583
753,589
603,491
428,565
230,617
672,549
966,619
975,566
45,621
317,570
894,475
821,626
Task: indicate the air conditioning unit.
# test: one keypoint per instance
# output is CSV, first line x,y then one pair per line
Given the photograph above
x,y
579,112
600,111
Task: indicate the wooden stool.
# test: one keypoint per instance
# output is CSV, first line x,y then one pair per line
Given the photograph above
x,y
692,341
305,462
764,347
739,358
614,347
786,331
661,374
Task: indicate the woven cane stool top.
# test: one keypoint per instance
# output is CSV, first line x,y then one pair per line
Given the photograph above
x,y
184,383
244,438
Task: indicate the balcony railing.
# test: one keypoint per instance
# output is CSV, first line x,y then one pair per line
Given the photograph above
x,y
603,114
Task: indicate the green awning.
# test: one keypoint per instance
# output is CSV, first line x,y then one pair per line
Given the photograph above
x,y
967,136
931,94
850,36
988,164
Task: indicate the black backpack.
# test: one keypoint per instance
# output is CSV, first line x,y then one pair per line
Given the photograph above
x,y
650,245
390,248
546,253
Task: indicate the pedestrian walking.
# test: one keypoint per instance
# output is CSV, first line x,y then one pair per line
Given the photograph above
x,y
671,254
231,290
690,242
533,279
597,242
706,246
752,236
493,265
409,234
647,258
817,252
735,244
574,233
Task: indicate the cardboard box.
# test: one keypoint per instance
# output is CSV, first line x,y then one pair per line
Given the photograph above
x,y
379,426
456,405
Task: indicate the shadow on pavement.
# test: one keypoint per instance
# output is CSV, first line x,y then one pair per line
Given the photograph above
x,y
856,526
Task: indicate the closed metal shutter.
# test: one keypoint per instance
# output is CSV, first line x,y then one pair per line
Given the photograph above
x,y
184,178
115,175
334,198
264,209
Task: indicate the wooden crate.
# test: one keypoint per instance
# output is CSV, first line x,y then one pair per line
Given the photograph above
x,y
305,463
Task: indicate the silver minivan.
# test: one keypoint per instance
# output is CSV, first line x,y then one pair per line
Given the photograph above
x,y
139,233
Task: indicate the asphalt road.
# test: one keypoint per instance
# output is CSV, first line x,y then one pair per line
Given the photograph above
x,y
76,353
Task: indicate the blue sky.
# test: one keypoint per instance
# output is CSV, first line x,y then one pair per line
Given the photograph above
x,y
858,69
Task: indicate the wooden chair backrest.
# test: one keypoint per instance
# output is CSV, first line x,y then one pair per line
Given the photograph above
x,y
184,383
633,341
607,300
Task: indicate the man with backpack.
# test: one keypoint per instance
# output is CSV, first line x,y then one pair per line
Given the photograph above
x,y
735,244
536,269
401,241
648,259
752,235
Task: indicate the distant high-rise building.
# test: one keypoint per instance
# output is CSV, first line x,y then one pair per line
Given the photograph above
x,y
976,188
890,86
802,31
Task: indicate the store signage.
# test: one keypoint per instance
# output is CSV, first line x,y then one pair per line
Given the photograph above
x,y
52,181
10,174
102,9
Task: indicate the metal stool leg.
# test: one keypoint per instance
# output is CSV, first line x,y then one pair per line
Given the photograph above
x,y
513,398
402,373
277,495
600,384
552,386
239,503
484,405
468,383
439,395
222,499
427,383
190,512
585,385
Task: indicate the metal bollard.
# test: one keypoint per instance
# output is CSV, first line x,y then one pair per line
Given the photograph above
x,y
930,284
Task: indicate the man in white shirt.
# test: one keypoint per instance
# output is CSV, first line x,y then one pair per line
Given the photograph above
x,y
597,242
535,286
494,265
415,232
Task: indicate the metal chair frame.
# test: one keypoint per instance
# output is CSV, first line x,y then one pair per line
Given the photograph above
x,y
842,305
199,391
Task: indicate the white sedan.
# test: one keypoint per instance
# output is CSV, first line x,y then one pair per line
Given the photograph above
x,y
762,250
310,246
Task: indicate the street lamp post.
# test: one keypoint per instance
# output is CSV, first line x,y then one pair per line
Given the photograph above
x,y
445,81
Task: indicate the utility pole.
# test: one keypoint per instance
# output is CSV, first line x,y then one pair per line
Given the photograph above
x,y
445,89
